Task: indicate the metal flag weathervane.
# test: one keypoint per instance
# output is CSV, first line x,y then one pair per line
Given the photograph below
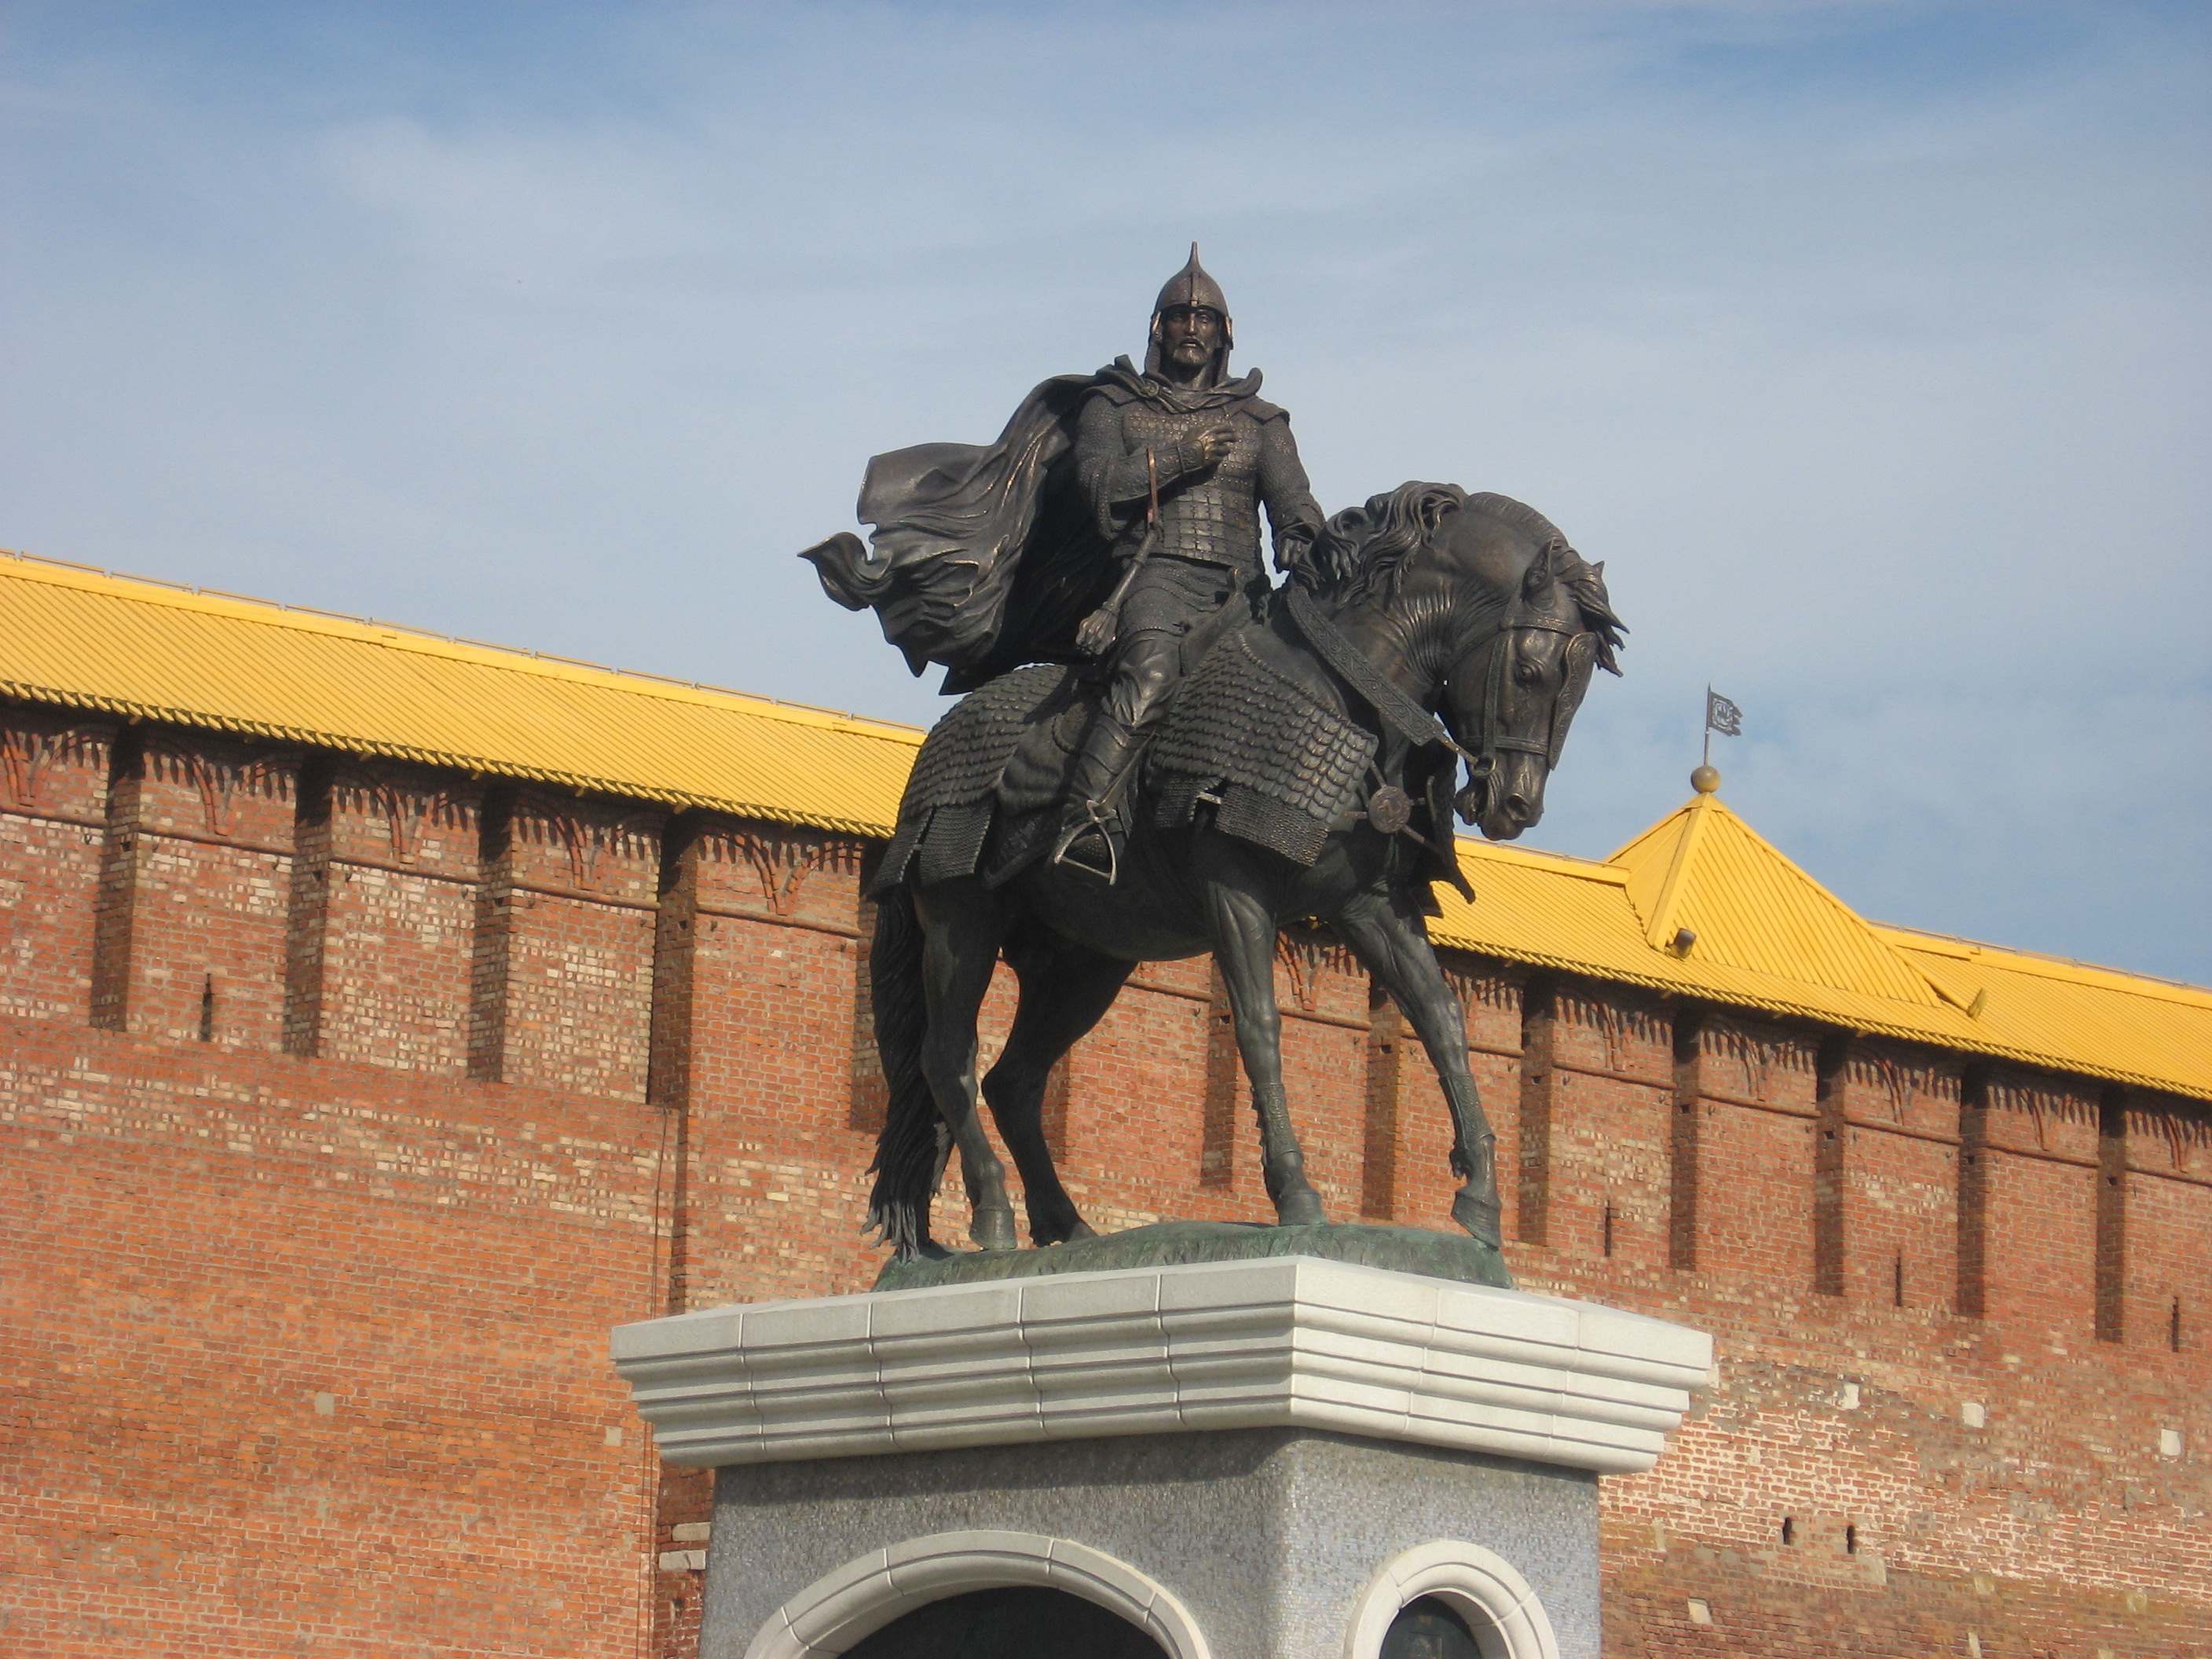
x,y
1722,716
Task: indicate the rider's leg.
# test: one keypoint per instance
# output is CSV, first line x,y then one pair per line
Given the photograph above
x,y
966,925
1175,608
1391,940
1064,991
1243,927
1146,670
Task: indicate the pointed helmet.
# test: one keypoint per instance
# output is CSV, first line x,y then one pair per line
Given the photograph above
x,y
1192,286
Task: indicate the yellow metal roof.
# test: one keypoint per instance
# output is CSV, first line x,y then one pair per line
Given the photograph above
x,y
1704,870
1768,937
143,650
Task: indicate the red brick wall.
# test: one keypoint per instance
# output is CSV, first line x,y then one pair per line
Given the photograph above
x,y
313,1348
384,932
773,1172
195,892
2168,1225
2041,1271
564,944
1151,1049
1899,1168
1755,1135
54,821
1611,1097
314,1357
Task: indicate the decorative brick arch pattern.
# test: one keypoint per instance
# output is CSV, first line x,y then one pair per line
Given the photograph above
x,y
860,1598
1507,1621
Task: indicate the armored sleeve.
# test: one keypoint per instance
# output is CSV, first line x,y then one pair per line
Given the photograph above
x,y
1292,514
1111,472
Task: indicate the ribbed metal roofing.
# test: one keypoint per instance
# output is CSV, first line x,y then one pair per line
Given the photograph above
x,y
1768,937
90,640
1705,870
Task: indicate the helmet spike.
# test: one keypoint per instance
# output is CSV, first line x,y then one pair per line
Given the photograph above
x,y
1192,286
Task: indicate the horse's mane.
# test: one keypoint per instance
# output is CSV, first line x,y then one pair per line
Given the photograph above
x,y
1362,552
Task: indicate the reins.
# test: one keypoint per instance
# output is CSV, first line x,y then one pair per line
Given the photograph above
x,y
1402,713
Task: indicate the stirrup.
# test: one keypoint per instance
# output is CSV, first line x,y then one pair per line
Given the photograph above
x,y
1101,825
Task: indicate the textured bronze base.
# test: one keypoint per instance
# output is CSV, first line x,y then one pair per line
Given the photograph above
x,y
1177,1243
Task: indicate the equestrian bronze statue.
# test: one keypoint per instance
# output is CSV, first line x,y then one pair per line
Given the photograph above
x,y
1161,755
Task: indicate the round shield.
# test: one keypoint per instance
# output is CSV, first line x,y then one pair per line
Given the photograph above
x,y
1389,809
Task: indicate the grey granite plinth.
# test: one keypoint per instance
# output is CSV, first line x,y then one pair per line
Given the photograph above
x,y
1266,1535
1264,1458
1453,1256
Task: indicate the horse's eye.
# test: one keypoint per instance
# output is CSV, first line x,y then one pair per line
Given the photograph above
x,y
1528,673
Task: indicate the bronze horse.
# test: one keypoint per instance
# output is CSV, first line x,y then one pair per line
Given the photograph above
x,y
1474,607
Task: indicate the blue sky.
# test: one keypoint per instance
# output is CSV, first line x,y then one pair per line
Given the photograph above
x,y
1866,343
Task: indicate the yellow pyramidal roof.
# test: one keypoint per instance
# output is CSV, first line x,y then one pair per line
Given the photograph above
x,y
1704,876
1767,936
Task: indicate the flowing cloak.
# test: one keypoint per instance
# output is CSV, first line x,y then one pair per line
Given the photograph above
x,y
983,557
986,557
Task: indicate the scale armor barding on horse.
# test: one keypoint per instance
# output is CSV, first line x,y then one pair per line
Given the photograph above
x,y
1249,747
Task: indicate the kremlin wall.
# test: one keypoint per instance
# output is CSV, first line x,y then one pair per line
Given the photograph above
x,y
387,1017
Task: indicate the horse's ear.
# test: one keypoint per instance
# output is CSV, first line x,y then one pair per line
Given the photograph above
x,y
1538,577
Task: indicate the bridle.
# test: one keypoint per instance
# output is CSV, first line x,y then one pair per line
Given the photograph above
x,y
1509,631
1517,619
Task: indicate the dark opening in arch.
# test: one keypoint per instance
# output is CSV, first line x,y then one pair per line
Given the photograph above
x,y
1430,1628
1015,1622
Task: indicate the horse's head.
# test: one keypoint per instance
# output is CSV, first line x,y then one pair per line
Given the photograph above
x,y
1503,621
1517,675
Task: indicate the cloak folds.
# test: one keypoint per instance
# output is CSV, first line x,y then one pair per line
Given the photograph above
x,y
983,557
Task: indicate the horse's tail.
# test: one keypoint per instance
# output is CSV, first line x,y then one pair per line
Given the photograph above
x,y
910,1152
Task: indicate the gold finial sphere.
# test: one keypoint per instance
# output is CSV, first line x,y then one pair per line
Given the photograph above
x,y
1706,780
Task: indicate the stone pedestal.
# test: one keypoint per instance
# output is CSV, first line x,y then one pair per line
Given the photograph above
x,y
1246,1460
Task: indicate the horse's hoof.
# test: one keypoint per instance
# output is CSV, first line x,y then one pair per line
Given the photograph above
x,y
1058,1223
1300,1207
992,1228
1478,1216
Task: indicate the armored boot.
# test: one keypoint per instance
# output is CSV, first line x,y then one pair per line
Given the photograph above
x,y
1091,830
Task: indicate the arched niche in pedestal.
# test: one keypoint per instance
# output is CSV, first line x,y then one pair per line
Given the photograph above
x,y
1482,1587
841,1609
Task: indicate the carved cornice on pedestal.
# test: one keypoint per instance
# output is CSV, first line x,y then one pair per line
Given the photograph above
x,y
1292,1341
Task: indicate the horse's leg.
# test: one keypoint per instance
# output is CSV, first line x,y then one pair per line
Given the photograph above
x,y
1066,990
1243,926
1389,937
966,926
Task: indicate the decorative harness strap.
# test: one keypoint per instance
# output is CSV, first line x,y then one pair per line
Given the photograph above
x,y
1334,647
1407,718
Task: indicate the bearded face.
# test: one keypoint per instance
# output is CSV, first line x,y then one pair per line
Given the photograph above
x,y
1189,339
